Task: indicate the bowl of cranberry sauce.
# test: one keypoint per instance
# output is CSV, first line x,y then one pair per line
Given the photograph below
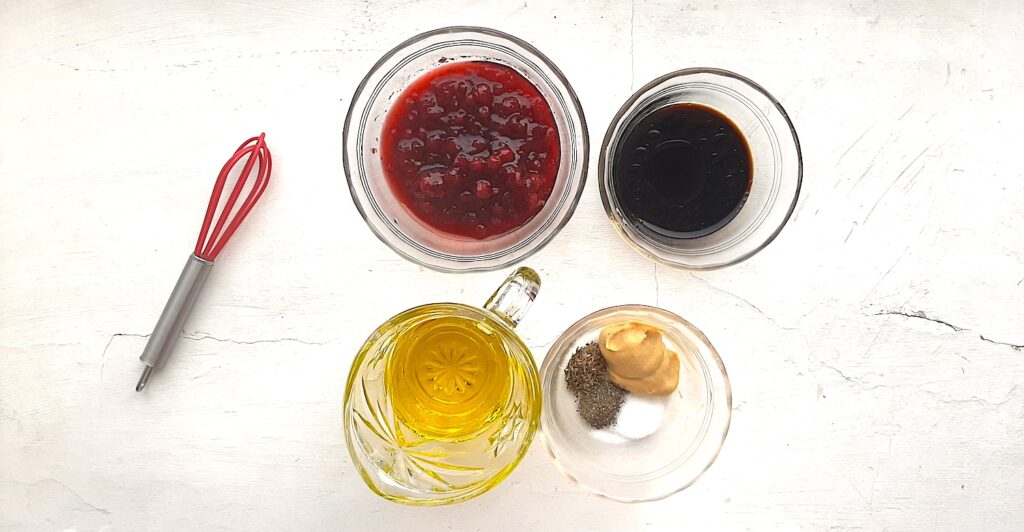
x,y
465,149
471,149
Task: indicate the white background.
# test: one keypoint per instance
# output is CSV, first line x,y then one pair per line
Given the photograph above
x,y
874,348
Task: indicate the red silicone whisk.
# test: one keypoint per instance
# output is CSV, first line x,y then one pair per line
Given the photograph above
x,y
210,243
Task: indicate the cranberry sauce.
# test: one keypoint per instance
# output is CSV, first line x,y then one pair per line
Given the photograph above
x,y
471,149
682,171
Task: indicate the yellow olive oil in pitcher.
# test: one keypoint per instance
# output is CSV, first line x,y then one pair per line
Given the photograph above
x,y
449,377
443,399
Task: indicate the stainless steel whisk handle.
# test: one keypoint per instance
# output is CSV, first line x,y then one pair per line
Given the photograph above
x,y
172,320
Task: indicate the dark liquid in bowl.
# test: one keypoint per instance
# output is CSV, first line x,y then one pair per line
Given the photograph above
x,y
682,171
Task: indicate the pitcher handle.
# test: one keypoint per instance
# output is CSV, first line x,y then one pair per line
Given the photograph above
x,y
513,298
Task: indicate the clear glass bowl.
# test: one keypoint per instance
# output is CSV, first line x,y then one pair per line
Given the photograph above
x,y
389,219
777,164
667,442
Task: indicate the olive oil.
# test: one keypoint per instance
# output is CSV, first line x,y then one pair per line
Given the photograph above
x,y
449,377
443,399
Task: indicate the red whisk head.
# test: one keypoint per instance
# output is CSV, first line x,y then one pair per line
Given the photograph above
x,y
257,166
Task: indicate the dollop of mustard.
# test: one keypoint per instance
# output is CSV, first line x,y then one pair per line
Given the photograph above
x,y
638,359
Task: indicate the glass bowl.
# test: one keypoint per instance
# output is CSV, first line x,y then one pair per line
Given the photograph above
x,y
389,219
777,167
667,442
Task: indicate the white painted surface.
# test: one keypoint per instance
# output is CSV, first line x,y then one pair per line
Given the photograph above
x,y
851,413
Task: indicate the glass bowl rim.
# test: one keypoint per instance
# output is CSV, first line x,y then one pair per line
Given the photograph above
x,y
579,325
618,123
574,109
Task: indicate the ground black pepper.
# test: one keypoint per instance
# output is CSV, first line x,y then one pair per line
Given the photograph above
x,y
598,399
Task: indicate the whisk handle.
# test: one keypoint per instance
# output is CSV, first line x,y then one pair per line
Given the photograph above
x,y
179,305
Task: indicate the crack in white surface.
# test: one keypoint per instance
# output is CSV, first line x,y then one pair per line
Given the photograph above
x,y
116,335
744,301
51,480
850,147
200,336
1015,347
205,373
886,274
103,355
974,398
893,182
867,386
843,375
542,347
920,314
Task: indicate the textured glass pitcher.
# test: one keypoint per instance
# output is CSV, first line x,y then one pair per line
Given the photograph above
x,y
443,400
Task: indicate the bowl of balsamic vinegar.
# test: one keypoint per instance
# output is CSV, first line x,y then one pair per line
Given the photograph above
x,y
700,169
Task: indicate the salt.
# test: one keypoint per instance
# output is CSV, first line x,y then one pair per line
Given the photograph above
x,y
640,416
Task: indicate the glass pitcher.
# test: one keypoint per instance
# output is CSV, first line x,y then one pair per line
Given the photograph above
x,y
443,400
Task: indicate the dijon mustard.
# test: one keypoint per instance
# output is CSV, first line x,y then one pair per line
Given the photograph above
x,y
638,360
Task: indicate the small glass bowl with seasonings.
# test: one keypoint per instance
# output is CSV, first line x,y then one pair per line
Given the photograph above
x,y
637,403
